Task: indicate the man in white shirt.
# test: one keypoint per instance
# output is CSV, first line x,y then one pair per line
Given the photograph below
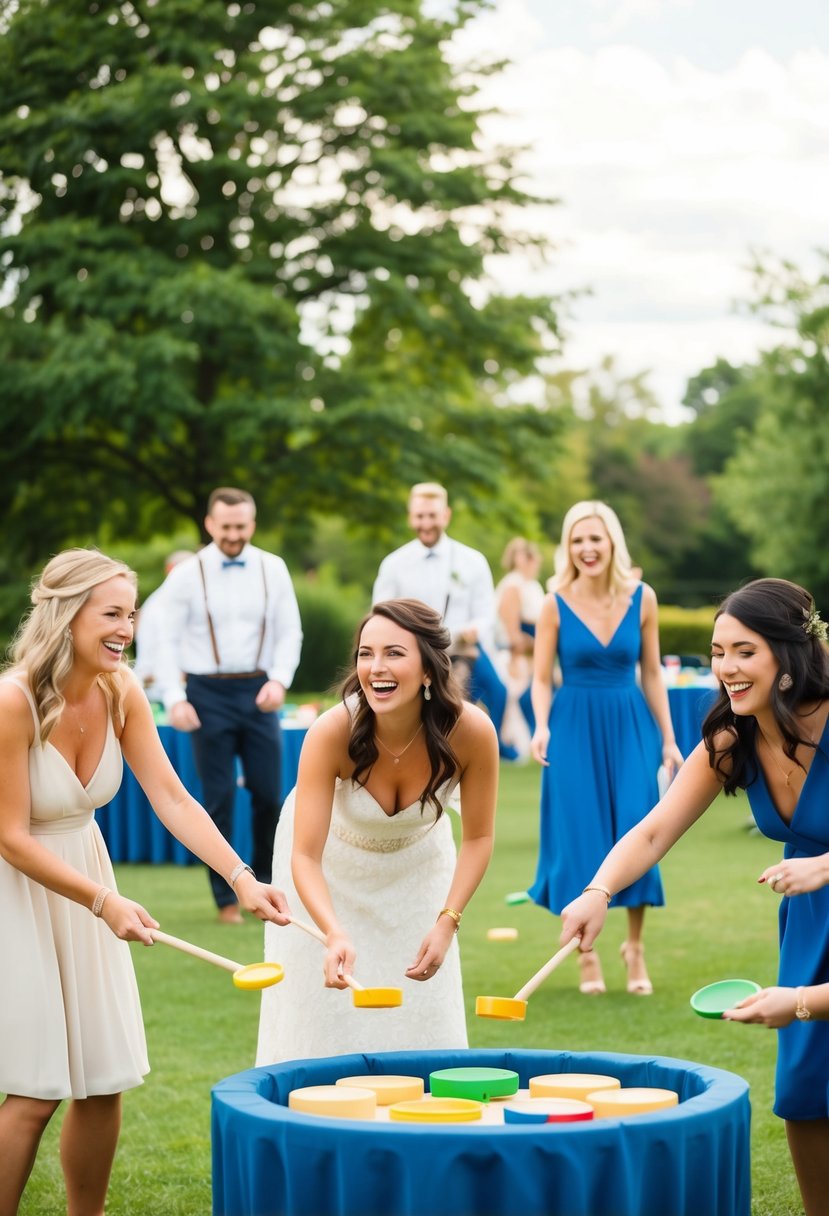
x,y
147,628
456,581
231,622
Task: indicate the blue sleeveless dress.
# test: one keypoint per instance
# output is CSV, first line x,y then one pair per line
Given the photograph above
x,y
604,753
802,1047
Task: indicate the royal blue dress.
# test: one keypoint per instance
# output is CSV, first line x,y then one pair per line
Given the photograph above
x,y
802,1047
604,753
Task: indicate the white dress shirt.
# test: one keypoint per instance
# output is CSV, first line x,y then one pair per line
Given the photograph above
x,y
236,599
451,578
148,630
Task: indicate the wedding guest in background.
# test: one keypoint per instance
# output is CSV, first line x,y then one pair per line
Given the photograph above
x,y
231,621
456,581
603,742
148,624
518,600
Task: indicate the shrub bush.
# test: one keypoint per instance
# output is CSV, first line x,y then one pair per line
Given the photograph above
x,y
330,614
685,631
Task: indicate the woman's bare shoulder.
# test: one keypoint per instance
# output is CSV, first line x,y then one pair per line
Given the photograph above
x,y
13,699
332,726
549,606
473,729
15,709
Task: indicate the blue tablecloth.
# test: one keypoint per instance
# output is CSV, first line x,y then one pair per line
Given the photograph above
x,y
133,832
690,1160
689,706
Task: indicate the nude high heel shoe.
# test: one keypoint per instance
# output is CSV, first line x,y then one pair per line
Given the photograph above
x,y
592,983
633,956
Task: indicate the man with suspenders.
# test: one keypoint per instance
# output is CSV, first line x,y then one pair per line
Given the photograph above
x,y
231,623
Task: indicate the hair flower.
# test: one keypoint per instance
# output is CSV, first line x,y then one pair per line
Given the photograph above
x,y
815,627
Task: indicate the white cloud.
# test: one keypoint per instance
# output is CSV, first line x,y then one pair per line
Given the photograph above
x,y
669,174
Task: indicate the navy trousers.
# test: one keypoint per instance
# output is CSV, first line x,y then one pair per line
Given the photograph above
x,y
232,726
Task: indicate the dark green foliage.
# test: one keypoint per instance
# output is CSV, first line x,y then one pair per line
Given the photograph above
x,y
237,248
329,617
775,486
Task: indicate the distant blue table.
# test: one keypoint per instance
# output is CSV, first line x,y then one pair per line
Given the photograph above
x,y
689,706
133,832
690,1160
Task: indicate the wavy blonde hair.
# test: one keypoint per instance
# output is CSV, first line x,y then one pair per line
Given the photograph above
x,y
621,571
42,649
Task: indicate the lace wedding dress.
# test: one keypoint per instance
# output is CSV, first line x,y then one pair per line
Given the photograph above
x,y
388,876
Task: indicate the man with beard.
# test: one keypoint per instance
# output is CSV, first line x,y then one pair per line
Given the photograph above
x,y
231,621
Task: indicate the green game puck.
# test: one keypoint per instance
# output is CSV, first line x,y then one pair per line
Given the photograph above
x,y
480,1084
517,897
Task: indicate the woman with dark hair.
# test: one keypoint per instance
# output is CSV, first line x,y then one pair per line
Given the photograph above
x,y
365,850
767,734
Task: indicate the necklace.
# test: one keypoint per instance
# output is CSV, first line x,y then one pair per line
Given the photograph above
x,y
397,755
81,726
75,713
779,767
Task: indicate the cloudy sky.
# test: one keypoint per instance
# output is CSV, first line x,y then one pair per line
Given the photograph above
x,y
678,135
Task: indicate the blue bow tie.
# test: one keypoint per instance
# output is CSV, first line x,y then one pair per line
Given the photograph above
x,y
232,561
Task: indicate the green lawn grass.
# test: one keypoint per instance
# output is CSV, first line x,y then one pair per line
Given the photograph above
x,y
717,923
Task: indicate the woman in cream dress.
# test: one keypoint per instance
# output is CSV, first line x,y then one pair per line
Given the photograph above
x,y
365,849
70,1019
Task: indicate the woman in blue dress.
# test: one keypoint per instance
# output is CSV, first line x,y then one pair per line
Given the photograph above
x,y
603,742
766,734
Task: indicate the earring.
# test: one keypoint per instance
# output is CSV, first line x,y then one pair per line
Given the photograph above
x,y
785,682
427,693
67,633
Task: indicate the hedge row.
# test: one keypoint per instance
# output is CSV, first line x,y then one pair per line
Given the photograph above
x,y
685,631
331,614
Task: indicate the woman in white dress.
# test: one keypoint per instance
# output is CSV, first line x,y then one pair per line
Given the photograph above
x,y
69,709
364,848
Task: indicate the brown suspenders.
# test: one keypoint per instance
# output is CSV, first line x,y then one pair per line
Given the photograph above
x,y
210,626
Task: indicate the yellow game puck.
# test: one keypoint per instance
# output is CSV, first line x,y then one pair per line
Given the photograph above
x,y
505,934
570,1085
388,1089
437,1110
613,1103
333,1101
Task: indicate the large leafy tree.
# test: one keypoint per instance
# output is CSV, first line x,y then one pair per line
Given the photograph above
x,y
775,485
246,242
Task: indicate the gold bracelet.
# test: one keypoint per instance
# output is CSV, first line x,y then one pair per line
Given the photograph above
x,y
456,916
801,1011
594,886
98,902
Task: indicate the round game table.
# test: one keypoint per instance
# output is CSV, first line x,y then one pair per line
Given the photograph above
x,y
694,1158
